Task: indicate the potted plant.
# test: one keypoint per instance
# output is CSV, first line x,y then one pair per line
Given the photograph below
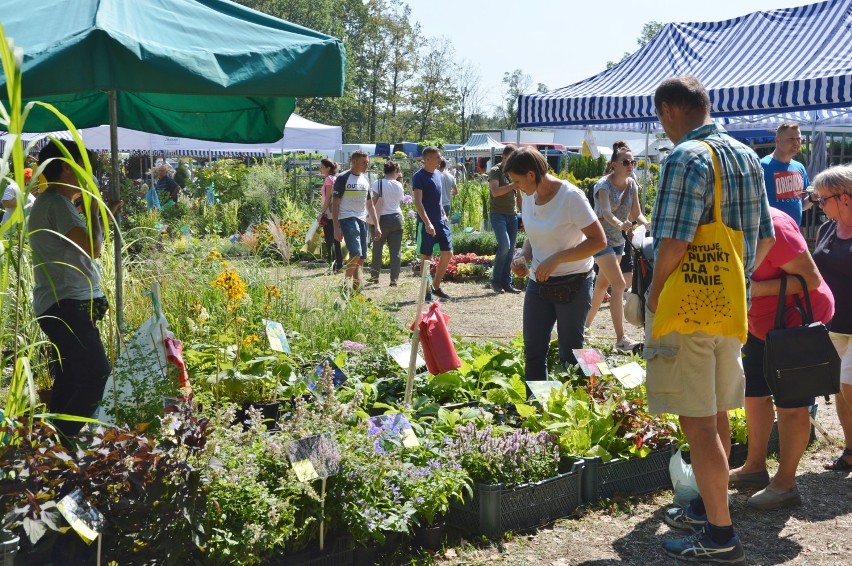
x,y
516,478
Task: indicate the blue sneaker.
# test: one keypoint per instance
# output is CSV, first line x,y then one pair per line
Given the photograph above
x,y
700,547
685,518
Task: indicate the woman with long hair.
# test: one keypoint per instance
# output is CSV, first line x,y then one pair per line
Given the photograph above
x,y
617,206
328,170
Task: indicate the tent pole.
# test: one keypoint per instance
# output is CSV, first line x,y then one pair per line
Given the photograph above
x,y
115,196
644,192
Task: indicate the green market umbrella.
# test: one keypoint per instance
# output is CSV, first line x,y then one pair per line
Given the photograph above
x,y
204,69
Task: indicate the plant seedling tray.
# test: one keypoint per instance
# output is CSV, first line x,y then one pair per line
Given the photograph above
x,y
626,476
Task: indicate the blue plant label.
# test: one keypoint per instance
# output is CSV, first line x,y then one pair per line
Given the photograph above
x,y
390,431
339,378
276,335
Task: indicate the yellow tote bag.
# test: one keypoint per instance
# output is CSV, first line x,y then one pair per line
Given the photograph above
x,y
707,291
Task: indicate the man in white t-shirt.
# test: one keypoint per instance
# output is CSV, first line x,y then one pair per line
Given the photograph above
x,y
350,206
449,189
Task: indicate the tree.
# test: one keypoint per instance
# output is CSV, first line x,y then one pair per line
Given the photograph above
x,y
517,82
469,90
649,31
433,92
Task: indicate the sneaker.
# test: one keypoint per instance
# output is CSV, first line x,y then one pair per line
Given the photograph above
x,y
757,480
439,293
428,296
626,345
496,288
511,289
684,518
587,332
393,284
767,498
700,547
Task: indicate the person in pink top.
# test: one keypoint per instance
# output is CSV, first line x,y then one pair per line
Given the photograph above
x,y
328,170
789,256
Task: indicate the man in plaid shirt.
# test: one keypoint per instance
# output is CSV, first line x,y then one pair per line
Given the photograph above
x,y
698,376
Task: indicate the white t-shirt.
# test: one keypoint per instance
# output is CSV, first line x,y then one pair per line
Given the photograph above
x,y
391,193
353,191
556,226
11,192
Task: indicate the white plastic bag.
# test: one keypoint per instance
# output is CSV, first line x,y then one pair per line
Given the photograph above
x,y
683,480
138,378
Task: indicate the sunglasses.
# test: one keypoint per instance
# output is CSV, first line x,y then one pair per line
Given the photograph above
x,y
627,162
822,200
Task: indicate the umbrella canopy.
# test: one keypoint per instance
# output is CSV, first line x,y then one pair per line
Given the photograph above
x,y
205,69
746,64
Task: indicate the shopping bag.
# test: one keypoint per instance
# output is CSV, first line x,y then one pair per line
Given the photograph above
x,y
683,480
707,292
313,239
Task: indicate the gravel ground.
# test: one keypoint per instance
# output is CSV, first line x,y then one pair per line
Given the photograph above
x,y
629,532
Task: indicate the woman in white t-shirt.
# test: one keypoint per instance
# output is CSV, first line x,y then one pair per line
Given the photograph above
x,y
387,195
563,233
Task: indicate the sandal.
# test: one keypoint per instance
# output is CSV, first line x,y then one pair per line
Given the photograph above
x,y
841,464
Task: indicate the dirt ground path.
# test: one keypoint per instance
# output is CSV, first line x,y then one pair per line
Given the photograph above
x,y
629,532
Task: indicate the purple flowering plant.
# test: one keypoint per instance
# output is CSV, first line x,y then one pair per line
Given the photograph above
x,y
515,457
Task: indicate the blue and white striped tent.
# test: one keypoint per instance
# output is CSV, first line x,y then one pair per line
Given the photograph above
x,y
779,61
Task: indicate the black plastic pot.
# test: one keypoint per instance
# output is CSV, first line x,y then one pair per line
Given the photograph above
x,y
430,537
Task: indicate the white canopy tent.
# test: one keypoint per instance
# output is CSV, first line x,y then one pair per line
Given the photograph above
x,y
299,134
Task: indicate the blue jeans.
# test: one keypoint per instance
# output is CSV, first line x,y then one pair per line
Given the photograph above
x,y
505,227
539,317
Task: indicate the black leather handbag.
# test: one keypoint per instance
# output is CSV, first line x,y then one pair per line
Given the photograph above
x,y
800,362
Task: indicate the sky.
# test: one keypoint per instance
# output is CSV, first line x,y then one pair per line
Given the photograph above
x,y
558,42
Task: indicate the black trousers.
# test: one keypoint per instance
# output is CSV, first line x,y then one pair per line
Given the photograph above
x,y
80,368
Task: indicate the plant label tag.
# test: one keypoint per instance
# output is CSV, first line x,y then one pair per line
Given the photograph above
x,y
338,378
629,375
86,521
541,389
390,431
588,360
409,439
402,355
305,471
321,454
277,337
603,368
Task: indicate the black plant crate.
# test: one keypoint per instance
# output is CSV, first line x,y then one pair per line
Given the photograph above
x,y
337,552
626,476
739,451
495,509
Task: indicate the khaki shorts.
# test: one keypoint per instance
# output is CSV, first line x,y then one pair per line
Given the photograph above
x,y
843,344
693,375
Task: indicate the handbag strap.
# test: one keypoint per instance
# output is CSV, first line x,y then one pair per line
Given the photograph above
x,y
806,311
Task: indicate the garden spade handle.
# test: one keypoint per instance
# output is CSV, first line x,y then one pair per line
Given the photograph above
x,y
415,336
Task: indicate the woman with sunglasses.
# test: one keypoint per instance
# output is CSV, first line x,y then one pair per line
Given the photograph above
x,y
833,257
617,206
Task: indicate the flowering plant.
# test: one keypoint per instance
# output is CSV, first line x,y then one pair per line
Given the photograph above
x,y
510,458
433,480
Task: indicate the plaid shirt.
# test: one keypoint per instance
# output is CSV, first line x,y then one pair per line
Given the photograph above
x,y
685,191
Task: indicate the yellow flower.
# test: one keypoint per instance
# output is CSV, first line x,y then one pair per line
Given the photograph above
x,y
273,292
214,255
234,287
250,339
